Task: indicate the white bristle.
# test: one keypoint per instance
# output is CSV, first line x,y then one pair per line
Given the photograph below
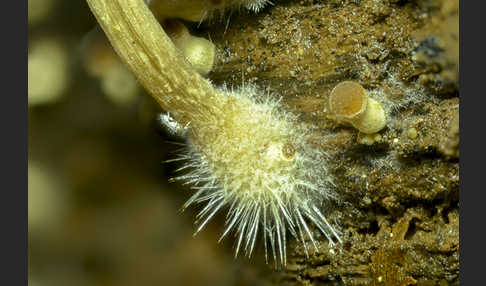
x,y
256,161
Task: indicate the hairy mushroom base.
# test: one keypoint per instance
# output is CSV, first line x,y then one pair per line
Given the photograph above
x,y
245,152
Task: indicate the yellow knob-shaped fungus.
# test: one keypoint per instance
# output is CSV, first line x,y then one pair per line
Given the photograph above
x,y
198,51
349,102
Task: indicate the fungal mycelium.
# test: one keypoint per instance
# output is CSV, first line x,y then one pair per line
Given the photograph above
x,y
246,154
199,10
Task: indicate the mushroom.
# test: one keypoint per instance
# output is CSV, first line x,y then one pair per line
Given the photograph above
x,y
349,102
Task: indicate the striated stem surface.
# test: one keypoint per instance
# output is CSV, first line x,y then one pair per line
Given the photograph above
x,y
143,45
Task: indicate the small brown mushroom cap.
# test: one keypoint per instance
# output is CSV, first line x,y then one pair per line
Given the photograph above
x,y
348,100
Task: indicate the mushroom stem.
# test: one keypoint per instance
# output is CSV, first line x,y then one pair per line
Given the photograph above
x,y
372,120
142,44
245,153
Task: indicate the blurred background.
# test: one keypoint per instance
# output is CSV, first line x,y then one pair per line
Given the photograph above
x,y
103,209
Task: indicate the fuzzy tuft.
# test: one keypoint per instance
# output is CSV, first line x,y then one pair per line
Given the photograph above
x,y
255,159
256,5
200,10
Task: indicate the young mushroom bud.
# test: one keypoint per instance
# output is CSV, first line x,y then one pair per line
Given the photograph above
x,y
198,51
349,102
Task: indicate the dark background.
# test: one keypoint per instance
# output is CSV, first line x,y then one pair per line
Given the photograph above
x,y
101,208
